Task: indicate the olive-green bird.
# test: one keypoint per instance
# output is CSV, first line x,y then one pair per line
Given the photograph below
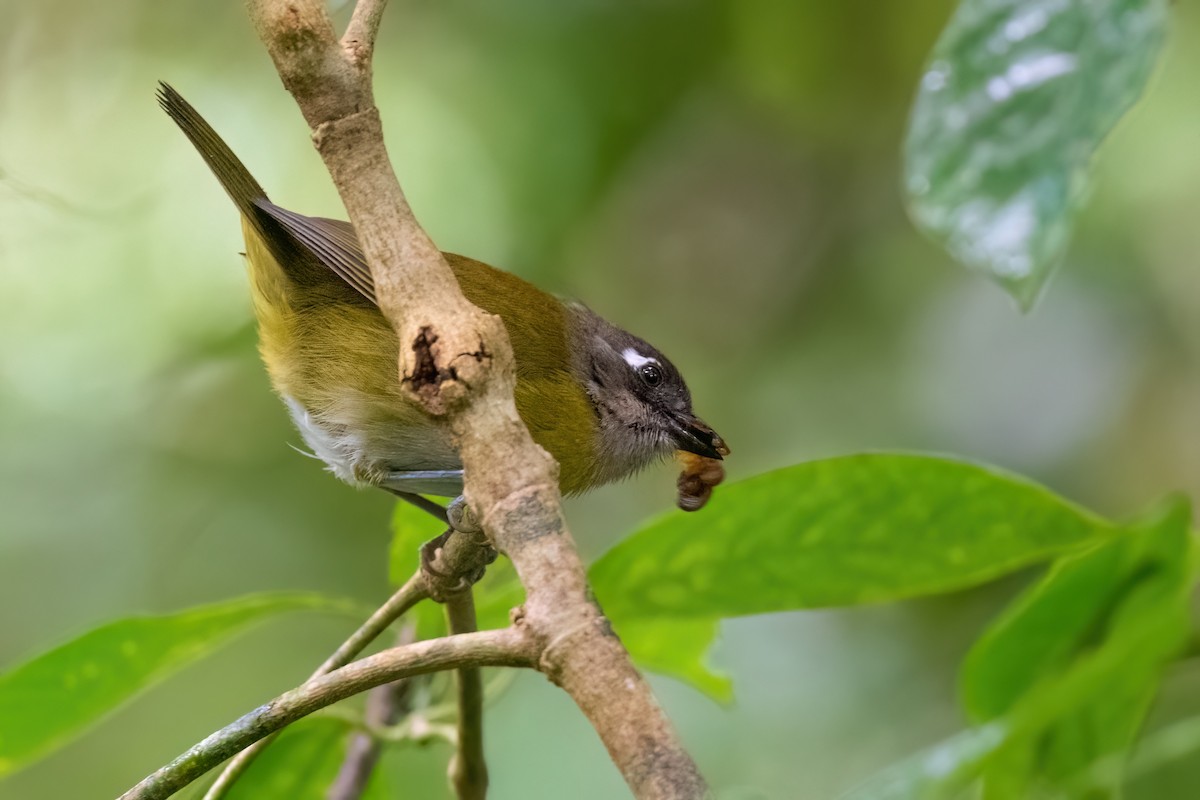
x,y
602,401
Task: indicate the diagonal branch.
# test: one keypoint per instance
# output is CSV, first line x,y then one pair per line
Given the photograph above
x,y
459,555
359,38
407,596
457,365
510,647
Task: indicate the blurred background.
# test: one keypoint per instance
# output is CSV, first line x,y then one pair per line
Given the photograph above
x,y
719,176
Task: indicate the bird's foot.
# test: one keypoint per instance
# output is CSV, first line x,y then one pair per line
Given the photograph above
x,y
443,582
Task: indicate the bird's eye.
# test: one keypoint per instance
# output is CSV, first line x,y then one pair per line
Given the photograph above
x,y
651,375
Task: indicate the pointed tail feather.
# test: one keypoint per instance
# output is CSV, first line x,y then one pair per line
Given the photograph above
x,y
230,171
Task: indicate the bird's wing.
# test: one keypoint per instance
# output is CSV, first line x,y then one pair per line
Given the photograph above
x,y
332,241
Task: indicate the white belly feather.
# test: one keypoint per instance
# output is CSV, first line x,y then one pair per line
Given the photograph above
x,y
362,441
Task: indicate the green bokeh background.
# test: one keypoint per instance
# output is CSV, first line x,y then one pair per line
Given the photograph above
x,y
720,177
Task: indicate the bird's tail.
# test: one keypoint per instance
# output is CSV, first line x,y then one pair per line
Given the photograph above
x,y
230,171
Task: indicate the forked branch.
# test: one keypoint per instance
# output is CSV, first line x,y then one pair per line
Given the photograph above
x,y
511,647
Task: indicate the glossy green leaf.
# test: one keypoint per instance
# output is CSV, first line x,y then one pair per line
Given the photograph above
x,y
1145,629
1156,750
843,531
411,528
49,699
1044,629
1145,598
497,594
1105,727
1017,97
678,648
949,768
302,764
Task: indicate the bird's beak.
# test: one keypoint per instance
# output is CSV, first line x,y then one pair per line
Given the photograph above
x,y
692,435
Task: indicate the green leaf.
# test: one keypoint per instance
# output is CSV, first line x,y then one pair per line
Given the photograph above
x,y
1017,97
1147,628
940,772
498,593
1009,774
1043,629
48,700
950,767
1158,749
1136,582
843,531
411,528
302,764
677,648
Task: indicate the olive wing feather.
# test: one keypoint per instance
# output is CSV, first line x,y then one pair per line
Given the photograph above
x,y
332,241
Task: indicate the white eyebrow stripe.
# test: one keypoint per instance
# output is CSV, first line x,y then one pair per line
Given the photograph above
x,y
635,359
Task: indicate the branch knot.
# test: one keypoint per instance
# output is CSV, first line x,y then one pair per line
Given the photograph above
x,y
440,387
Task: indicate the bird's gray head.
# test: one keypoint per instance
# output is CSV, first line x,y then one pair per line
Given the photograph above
x,y
642,403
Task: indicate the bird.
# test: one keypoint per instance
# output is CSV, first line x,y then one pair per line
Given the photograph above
x,y
602,401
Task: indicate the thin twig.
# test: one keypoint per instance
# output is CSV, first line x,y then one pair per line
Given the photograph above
x,y
468,769
411,593
385,705
359,38
510,647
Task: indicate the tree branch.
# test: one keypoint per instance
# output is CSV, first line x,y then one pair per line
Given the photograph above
x,y
460,555
412,592
457,364
359,38
468,769
407,596
385,705
510,647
